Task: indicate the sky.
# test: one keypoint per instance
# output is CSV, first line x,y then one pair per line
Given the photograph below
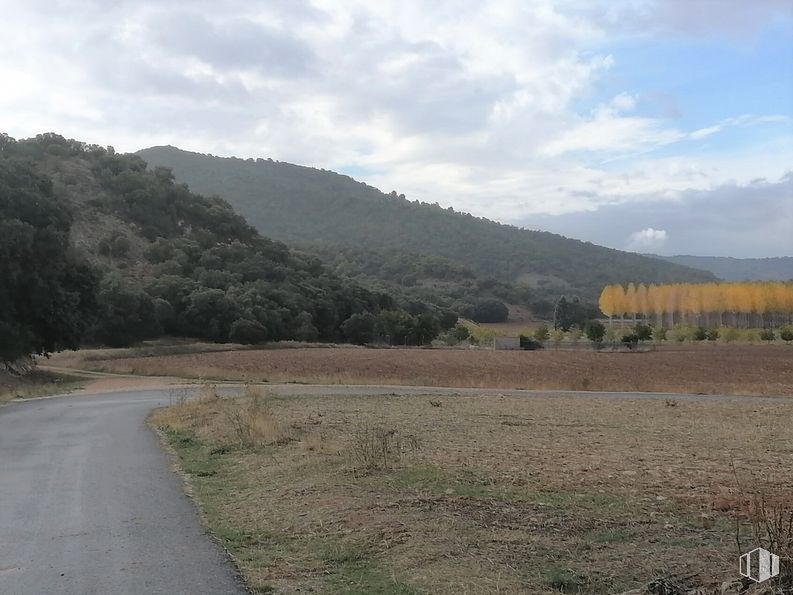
x,y
660,126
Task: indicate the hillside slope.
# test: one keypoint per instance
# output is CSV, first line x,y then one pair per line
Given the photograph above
x,y
316,207
174,262
739,269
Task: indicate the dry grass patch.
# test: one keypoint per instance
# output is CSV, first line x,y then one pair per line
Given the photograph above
x,y
481,494
37,383
245,422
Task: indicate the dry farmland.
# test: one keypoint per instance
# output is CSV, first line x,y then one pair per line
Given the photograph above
x,y
481,494
710,369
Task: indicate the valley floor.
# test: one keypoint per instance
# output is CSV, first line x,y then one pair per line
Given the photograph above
x,y
482,493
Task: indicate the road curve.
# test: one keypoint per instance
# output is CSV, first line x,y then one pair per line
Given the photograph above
x,y
89,505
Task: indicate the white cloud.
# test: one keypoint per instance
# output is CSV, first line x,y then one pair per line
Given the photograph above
x,y
646,239
468,103
624,102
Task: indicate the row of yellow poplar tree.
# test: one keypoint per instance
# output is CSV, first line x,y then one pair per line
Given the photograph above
x,y
746,304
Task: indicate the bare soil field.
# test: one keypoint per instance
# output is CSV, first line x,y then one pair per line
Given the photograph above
x,y
481,495
708,369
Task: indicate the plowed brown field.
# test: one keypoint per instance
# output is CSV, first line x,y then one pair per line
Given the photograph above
x,y
710,369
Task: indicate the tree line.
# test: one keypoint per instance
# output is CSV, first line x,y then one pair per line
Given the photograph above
x,y
741,305
98,249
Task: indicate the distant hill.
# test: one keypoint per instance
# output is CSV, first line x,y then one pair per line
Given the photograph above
x,y
170,261
739,269
364,231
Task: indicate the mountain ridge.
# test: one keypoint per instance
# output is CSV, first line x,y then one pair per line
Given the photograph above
x,y
773,268
314,207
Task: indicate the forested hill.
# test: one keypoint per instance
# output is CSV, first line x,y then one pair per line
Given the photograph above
x,y
739,269
164,260
309,206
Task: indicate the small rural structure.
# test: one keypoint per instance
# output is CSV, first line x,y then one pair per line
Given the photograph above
x,y
506,343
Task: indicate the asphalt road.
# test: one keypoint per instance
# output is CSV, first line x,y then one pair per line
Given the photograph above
x,y
89,504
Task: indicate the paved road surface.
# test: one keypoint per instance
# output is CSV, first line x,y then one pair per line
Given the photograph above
x,y
88,504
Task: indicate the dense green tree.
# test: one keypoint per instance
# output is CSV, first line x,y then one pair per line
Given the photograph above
x,y
206,273
490,311
359,328
125,314
247,332
569,313
595,331
47,294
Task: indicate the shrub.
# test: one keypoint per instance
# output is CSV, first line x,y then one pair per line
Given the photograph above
x,y
630,340
681,333
712,334
490,311
731,334
253,423
767,334
542,333
359,328
644,332
461,332
659,333
595,331
247,332
378,447
557,336
575,334
786,334
699,334
529,344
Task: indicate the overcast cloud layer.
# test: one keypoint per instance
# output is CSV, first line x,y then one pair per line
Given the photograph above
x,y
660,125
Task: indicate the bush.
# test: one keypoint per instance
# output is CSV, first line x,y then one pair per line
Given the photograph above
x,y
379,447
247,332
630,340
460,332
731,334
786,334
659,334
490,311
767,334
542,333
574,335
529,344
681,333
359,328
712,334
595,331
644,332
700,334
557,336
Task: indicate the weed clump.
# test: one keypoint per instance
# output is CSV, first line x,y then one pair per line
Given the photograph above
x,y
380,447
